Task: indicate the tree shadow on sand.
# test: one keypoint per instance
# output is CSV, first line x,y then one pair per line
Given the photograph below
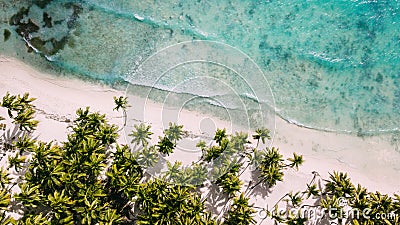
x,y
256,187
216,199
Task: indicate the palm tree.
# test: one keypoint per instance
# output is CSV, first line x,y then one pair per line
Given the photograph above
x,y
330,203
238,141
21,105
25,143
220,135
271,175
107,134
240,213
25,119
215,151
16,162
164,203
360,200
339,185
193,175
196,174
202,145
110,217
296,161
65,182
230,183
270,164
121,103
312,190
141,134
61,205
30,196
165,146
147,157
174,172
174,132
380,204
295,199
272,157
229,177
122,180
262,133
84,180
212,153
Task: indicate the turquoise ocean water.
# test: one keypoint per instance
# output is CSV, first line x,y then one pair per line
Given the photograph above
x,y
331,65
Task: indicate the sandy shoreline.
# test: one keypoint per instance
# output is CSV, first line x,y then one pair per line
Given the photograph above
x,y
370,161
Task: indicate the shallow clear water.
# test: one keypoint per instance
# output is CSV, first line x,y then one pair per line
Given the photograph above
x,y
332,65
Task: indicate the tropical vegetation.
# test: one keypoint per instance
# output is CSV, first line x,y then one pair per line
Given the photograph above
x,y
91,178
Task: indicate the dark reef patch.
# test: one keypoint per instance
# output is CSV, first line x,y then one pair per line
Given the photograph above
x,y
30,31
47,20
42,3
38,43
77,9
6,34
16,19
24,29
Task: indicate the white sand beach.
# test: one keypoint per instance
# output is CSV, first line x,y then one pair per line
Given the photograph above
x,y
370,161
